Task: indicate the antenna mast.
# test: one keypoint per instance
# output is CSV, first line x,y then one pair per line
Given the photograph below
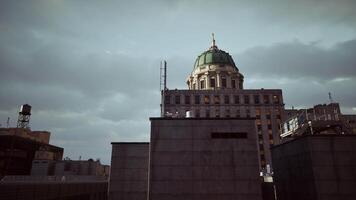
x,y
163,84
163,76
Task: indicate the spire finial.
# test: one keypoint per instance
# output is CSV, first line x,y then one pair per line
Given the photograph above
x,y
213,43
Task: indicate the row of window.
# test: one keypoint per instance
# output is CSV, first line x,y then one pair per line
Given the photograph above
x,y
212,83
216,99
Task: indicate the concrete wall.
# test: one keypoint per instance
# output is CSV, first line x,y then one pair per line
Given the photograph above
x,y
316,167
187,163
129,171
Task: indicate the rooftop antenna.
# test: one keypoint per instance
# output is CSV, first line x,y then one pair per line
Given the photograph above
x,y
163,76
163,83
24,116
330,98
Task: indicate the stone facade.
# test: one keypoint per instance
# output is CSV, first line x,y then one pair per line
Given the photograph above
x,y
203,159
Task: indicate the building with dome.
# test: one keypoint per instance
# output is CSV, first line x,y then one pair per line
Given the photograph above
x,y
216,90
211,141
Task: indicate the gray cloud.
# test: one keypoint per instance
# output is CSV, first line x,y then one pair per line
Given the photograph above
x,y
91,68
297,59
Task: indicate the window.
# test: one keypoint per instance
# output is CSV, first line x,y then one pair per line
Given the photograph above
x,y
246,99
197,99
268,116
259,127
248,113
217,99
237,99
256,99
207,99
266,99
187,99
202,84
258,113
207,113
258,122
217,113
177,99
223,82
226,99
212,82
275,99
167,99
227,113
233,83
269,126
237,113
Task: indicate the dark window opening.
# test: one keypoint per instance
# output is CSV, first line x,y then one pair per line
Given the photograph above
x,y
265,99
187,99
212,82
233,83
237,99
226,99
217,99
206,99
167,99
177,99
228,135
246,99
202,84
256,99
223,82
197,99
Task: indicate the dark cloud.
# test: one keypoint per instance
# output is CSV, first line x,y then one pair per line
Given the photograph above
x,y
296,59
90,69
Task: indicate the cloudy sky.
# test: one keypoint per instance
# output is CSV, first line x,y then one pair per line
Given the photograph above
x,y
90,69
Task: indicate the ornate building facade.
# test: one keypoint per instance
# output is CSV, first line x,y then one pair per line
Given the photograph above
x,y
215,90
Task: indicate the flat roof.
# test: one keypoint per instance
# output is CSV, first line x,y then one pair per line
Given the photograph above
x,y
129,142
202,118
315,135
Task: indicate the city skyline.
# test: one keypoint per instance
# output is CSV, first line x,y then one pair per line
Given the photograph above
x,y
91,69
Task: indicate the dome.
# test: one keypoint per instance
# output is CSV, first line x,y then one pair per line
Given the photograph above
x,y
214,56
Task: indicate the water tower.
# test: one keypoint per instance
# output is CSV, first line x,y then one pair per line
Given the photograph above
x,y
24,116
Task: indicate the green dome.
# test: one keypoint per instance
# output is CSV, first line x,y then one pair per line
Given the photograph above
x,y
214,56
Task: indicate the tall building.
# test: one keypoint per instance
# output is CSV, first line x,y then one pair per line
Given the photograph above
x,y
215,90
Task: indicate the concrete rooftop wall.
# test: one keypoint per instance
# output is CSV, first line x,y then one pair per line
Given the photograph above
x,y
316,167
187,163
129,171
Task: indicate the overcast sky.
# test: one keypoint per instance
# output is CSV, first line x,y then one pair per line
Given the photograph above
x,y
90,69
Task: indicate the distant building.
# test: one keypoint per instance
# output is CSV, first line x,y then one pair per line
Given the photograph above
x,y
321,119
216,91
351,120
17,153
313,167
